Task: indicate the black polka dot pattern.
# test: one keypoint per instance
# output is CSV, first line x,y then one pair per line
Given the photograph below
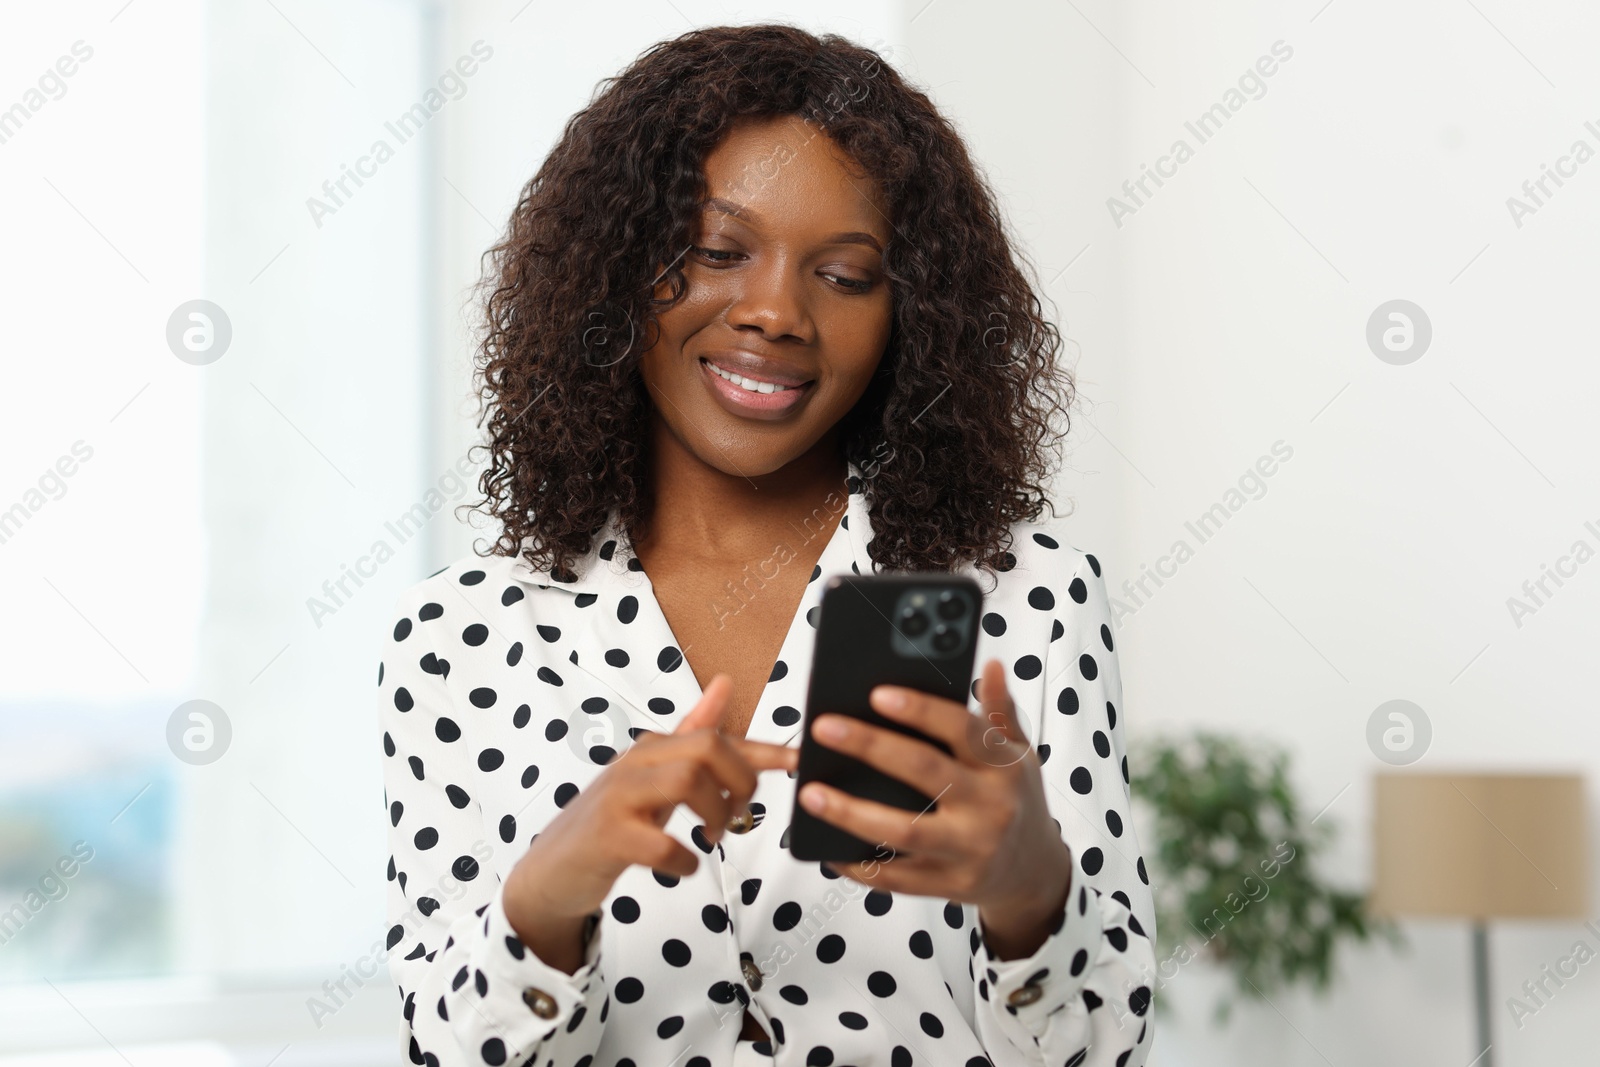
x,y
503,696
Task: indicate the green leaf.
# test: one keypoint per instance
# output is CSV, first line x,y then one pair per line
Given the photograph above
x,y
1234,867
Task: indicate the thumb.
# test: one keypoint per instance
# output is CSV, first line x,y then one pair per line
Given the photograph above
x,y
1004,730
708,711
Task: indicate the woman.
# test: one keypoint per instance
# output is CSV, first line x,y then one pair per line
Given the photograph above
x,y
756,321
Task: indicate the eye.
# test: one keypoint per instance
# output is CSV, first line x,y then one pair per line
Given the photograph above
x,y
849,285
714,255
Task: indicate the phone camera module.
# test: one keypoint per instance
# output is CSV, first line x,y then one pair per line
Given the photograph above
x,y
952,605
934,621
913,623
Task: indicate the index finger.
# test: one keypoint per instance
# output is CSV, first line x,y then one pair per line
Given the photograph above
x,y
973,739
708,711
764,756
735,763
937,717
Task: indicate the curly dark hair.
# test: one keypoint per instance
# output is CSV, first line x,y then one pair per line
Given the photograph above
x,y
954,437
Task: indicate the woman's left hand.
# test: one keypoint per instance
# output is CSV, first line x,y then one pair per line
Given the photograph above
x,y
990,841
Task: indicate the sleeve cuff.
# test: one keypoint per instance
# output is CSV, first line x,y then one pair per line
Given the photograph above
x,y
1023,993
523,998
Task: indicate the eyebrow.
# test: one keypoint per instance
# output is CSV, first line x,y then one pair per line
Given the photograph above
x,y
745,214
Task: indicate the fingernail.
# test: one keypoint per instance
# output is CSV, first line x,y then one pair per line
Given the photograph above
x,y
829,728
811,798
887,698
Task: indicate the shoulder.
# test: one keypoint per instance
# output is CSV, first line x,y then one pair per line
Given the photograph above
x,y
473,579
1047,563
1049,588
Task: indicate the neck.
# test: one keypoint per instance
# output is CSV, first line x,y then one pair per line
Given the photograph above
x,y
700,509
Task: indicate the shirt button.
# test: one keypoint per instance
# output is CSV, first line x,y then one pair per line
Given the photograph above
x,y
742,823
752,973
1026,995
542,1003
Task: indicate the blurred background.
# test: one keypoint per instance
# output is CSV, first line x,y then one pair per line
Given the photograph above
x,y
1326,271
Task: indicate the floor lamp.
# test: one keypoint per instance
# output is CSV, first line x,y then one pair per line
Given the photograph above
x,y
1480,847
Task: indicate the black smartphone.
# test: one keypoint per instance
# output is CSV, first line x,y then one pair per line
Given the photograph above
x,y
913,630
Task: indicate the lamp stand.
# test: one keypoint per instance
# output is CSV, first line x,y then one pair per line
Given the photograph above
x,y
1480,982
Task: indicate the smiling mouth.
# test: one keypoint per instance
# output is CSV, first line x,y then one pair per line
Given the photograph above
x,y
755,398
753,385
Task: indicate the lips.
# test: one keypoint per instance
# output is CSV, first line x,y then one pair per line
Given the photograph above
x,y
757,368
752,386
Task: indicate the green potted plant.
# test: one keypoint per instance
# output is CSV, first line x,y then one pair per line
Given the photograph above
x,y
1234,872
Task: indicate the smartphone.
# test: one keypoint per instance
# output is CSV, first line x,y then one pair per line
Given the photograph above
x,y
914,630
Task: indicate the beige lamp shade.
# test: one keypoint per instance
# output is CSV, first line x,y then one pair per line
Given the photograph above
x,y
1480,846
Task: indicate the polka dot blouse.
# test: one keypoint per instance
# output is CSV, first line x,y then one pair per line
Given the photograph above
x,y
505,690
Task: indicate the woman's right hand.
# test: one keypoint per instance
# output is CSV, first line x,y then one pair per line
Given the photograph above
x,y
618,820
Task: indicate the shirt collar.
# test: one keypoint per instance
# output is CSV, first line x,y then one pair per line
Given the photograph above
x,y
607,587
610,560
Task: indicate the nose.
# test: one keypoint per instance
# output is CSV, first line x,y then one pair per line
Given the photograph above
x,y
772,300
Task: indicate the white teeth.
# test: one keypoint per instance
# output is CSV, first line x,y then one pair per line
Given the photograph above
x,y
749,384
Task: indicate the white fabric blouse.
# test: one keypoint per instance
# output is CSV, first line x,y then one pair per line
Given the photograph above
x,y
504,690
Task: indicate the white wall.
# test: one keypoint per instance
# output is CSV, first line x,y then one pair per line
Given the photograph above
x,y
1378,562
311,440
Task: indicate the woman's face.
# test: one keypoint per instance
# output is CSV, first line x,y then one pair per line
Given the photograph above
x,y
787,309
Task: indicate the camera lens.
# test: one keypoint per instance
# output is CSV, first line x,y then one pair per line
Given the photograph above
x,y
913,623
951,605
945,639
